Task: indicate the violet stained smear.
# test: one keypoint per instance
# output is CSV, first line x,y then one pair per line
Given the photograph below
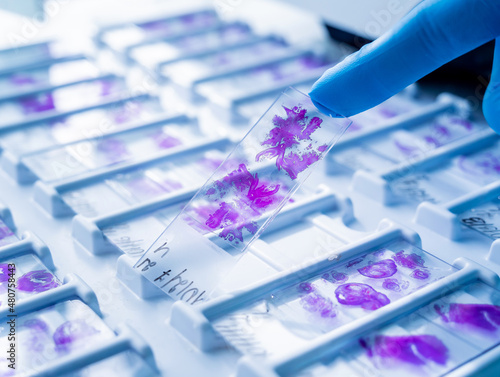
x,y
488,164
5,231
20,79
107,87
417,350
479,316
284,138
312,301
164,141
37,281
4,272
407,150
355,261
210,163
114,149
462,122
411,261
363,295
37,103
379,270
251,199
130,111
335,277
146,186
38,334
72,331
420,274
395,285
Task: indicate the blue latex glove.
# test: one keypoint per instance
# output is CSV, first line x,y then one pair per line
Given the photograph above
x,y
432,34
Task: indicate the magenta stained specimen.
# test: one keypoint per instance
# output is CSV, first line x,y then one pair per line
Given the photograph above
x,y
145,185
37,281
165,141
379,270
355,261
5,231
253,198
38,334
114,149
411,261
20,79
358,294
288,133
391,285
316,303
37,103
407,150
488,164
420,274
306,287
335,277
481,316
4,272
107,87
412,349
72,331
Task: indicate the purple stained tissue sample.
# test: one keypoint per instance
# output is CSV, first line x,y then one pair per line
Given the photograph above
x,y
250,196
358,294
146,186
20,79
479,316
355,261
37,281
379,270
407,150
171,185
414,262
38,334
165,141
210,163
395,285
411,261
253,198
420,274
37,103
5,231
487,164
416,350
286,136
71,331
4,272
312,301
107,87
335,277
114,149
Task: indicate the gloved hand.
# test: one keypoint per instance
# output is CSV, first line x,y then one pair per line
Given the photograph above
x,y
432,34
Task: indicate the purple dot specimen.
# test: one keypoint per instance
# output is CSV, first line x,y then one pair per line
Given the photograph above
x,y
37,281
379,270
416,350
411,261
4,272
288,133
316,303
391,285
72,331
358,294
479,316
420,274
